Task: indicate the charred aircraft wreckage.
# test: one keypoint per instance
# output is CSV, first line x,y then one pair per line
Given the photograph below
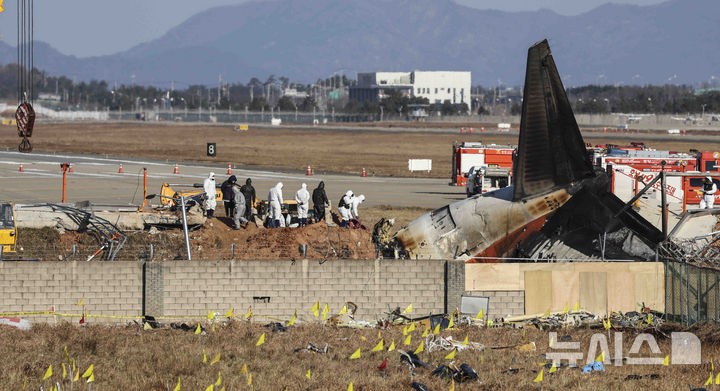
x,y
558,207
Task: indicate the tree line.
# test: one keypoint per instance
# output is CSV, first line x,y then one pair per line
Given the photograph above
x,y
280,94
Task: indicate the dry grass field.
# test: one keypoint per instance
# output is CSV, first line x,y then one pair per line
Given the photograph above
x,y
129,358
325,150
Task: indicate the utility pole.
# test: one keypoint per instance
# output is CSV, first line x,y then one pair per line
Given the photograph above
x,y
219,88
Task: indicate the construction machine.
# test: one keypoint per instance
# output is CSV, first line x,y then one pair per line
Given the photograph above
x,y
8,229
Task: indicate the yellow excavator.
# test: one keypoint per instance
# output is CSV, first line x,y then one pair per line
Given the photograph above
x,y
8,228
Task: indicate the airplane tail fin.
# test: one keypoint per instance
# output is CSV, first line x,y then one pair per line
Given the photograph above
x,y
551,151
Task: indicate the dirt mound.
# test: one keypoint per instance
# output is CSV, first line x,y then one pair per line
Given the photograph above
x,y
254,242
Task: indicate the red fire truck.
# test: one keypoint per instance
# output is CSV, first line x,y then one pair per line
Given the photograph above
x,y
476,154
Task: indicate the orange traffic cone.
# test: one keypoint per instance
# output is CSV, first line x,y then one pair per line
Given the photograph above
x,y
363,172
309,171
176,171
229,171
70,168
462,130
21,168
482,129
120,170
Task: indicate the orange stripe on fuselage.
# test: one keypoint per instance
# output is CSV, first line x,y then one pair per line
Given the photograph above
x,y
503,246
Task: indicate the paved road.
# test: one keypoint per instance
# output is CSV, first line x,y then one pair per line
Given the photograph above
x,y
97,179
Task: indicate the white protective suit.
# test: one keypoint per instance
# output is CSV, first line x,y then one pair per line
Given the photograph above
x,y
210,193
239,210
302,197
354,206
275,199
345,214
708,198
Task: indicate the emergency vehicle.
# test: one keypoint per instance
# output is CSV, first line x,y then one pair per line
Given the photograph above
x,y
494,159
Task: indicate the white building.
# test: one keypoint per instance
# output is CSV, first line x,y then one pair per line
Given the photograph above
x,y
436,86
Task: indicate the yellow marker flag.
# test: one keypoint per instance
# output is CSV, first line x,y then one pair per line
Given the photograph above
x,y
565,310
244,369
147,326
546,314
355,355
666,361
436,331
379,335
420,348
392,346
292,320
198,330
48,372
315,308
412,327
91,378
489,323
210,387
350,387
215,360
539,377
425,333
466,341
408,309
362,337
249,382
649,319
64,371
211,315
204,357
218,382
177,387
451,323
407,339
81,302
378,347
600,357
67,356
343,310
553,368
88,372
77,376
480,314
261,340
709,381
405,332
451,355
229,313
577,306
213,327
325,311
249,313
717,379
452,385
607,324
308,374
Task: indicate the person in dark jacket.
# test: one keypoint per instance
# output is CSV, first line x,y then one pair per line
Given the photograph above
x,y
320,202
249,192
227,194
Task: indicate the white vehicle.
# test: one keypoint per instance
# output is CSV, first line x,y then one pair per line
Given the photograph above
x,y
489,178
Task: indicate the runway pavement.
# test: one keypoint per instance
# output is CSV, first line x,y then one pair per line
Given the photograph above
x,y
97,179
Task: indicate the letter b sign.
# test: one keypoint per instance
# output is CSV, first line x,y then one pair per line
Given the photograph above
x,y
211,149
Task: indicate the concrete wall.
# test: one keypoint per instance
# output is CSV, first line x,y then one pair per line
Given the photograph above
x,y
502,304
191,288
109,288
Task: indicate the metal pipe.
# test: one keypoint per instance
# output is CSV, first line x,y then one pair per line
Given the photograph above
x,y
185,228
663,200
64,183
144,186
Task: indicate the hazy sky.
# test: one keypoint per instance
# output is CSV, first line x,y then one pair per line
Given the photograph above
x,y
97,27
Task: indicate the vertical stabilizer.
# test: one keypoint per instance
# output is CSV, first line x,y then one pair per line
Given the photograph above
x,y
551,152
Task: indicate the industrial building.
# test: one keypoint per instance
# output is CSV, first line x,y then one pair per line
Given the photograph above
x,y
436,86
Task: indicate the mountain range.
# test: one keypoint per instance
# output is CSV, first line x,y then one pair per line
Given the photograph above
x,y
305,40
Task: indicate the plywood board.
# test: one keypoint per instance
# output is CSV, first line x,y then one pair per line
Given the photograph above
x,y
565,285
593,291
493,277
538,291
621,292
650,289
